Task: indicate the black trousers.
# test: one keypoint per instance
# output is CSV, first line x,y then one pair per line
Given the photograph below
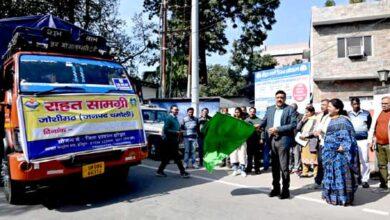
x,y
200,150
254,154
280,155
320,172
170,150
2,153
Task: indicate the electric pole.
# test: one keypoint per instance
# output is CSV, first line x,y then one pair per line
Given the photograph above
x,y
189,72
195,56
163,58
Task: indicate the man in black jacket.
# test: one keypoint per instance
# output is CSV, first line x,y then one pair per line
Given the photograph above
x,y
253,143
203,119
279,123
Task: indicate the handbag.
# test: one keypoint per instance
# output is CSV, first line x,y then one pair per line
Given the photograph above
x,y
299,141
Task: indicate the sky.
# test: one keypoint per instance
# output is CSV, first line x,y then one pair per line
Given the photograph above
x,y
292,26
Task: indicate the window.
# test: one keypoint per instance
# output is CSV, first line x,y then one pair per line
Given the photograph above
x,y
9,83
367,46
341,47
9,77
56,69
344,43
154,115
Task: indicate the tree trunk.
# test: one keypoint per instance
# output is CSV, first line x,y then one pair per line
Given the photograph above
x,y
250,76
202,62
71,11
87,17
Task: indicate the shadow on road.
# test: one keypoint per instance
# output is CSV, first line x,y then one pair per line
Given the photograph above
x,y
249,191
76,195
362,196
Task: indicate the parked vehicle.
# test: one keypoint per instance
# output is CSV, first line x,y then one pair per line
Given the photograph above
x,y
154,118
69,109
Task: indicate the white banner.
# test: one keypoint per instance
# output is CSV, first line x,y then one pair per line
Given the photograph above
x,y
294,80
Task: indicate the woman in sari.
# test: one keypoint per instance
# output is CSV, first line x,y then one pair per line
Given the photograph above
x,y
339,157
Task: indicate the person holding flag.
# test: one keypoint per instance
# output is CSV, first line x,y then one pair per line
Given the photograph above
x,y
279,123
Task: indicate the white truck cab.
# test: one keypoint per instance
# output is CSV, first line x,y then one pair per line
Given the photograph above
x,y
153,118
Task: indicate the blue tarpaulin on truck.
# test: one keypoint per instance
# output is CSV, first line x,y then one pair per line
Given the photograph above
x,y
8,25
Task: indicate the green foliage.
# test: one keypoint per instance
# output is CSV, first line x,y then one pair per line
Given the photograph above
x,y
222,81
97,16
297,61
330,3
251,19
356,1
257,20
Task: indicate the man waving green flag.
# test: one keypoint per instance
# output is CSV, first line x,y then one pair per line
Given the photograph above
x,y
222,135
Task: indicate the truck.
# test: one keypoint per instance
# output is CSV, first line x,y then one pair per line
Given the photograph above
x,y
154,117
68,109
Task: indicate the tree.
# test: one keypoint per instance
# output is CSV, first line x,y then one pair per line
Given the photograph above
x,y
252,18
253,34
97,16
356,1
297,61
222,81
136,47
330,3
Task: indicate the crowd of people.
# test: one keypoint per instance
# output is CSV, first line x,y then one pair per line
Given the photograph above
x,y
332,146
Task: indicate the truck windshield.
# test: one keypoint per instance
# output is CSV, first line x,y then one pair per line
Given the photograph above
x,y
154,115
37,71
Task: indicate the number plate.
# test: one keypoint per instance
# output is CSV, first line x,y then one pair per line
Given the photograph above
x,y
93,169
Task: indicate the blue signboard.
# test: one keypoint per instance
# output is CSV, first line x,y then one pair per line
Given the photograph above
x,y
183,105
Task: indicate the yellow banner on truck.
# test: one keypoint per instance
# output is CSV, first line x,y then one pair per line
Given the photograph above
x,y
61,124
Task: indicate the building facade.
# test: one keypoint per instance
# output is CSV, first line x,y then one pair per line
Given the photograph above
x,y
348,45
287,54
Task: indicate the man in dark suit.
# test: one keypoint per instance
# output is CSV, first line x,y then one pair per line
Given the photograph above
x,y
279,123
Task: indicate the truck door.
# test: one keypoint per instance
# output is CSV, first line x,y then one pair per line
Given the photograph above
x,y
9,104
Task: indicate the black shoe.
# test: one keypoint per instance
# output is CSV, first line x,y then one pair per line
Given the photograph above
x,y
383,186
285,195
161,174
365,185
274,193
185,175
257,172
304,176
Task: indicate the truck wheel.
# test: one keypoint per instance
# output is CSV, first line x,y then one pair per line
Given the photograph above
x,y
120,173
155,149
13,190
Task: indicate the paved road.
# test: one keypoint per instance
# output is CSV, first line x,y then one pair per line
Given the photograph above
x,y
203,196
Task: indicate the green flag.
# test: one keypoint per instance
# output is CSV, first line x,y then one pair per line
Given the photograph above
x,y
222,135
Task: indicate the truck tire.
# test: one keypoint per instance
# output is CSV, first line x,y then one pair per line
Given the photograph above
x,y
155,148
13,190
119,174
